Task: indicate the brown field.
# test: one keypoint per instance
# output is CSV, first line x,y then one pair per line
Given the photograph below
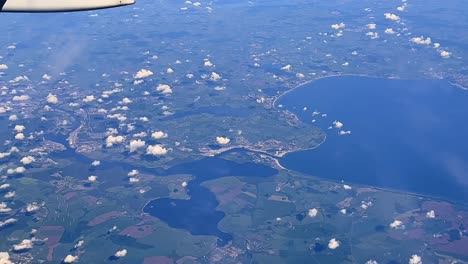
x,y
104,217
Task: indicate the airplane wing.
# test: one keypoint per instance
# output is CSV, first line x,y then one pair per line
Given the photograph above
x,y
37,6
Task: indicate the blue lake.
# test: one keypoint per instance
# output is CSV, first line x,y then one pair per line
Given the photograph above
x,y
407,135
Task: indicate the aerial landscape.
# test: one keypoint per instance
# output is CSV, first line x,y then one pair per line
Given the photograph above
x,y
261,131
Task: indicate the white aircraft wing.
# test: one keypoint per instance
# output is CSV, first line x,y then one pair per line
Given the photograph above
x,y
59,5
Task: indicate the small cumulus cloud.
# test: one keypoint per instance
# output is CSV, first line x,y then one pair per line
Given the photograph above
x,y
223,140
19,136
70,259
136,144
46,77
389,31
143,73
430,214
52,99
95,163
7,222
164,89
214,76
23,245
338,124
92,178
112,140
21,98
371,26
158,135
445,54
333,243
156,150
5,258
313,212
33,207
19,128
27,160
391,16
3,67
133,173
286,67
397,224
338,26
121,253
415,259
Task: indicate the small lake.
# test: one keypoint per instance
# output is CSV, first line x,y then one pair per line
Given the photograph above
x,y
407,135
199,215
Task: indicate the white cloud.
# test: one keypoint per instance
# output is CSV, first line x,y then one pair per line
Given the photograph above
x,y
169,70
3,67
79,244
25,244
421,40
286,67
111,140
214,76
95,163
389,31
347,187
133,173
338,124
445,54
19,79
371,26
184,184
436,45
121,253
164,89
430,214
373,35
70,259
4,208
136,144
5,186
7,222
52,99
223,140
313,212
32,207
20,136
13,118
371,261
333,243
92,178
156,150
5,258
401,8
17,170
89,98
46,77
133,180
391,16
158,135
397,224
27,160
415,259
9,195
343,132
143,74
338,26
19,128
208,63
21,98
126,101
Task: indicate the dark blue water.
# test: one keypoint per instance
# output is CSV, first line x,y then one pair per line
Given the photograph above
x,y
406,135
199,215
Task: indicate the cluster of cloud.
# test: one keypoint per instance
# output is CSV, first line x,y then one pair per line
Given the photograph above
x,y
164,89
333,243
223,140
133,173
214,76
33,207
338,124
421,40
9,195
156,150
389,31
17,170
23,245
4,208
89,98
20,98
